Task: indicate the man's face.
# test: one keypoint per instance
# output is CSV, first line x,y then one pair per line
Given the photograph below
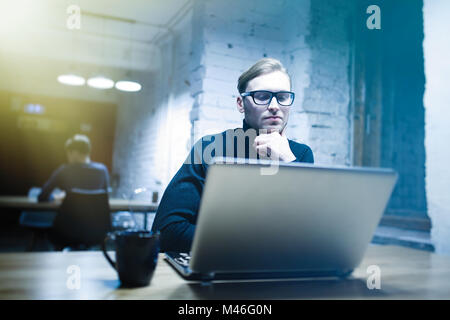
x,y
71,156
75,156
273,117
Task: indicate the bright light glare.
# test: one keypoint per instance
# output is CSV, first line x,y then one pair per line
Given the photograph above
x,y
71,80
100,83
129,86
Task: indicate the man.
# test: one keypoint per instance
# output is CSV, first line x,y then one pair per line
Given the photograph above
x,y
265,100
79,173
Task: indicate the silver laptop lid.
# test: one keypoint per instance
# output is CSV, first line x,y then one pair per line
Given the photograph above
x,y
302,218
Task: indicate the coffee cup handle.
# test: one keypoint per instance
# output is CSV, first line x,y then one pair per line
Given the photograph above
x,y
111,261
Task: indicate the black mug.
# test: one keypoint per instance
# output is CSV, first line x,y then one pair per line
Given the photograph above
x,y
136,256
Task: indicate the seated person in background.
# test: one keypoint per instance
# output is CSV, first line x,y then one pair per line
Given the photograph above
x,y
265,99
80,172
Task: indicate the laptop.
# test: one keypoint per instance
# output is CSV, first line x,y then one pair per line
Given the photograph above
x,y
296,220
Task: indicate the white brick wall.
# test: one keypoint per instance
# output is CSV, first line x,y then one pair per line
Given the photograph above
x,y
237,35
211,49
327,96
437,119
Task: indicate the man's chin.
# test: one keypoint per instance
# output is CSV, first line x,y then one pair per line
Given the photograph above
x,y
272,128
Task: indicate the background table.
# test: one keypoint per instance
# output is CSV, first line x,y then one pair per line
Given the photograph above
x,y
25,203
115,204
405,274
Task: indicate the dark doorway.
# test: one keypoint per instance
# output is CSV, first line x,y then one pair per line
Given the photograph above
x,y
389,123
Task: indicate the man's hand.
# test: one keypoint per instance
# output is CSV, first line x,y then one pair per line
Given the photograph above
x,y
273,146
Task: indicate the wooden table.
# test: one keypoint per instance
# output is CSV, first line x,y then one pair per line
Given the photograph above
x,y
405,274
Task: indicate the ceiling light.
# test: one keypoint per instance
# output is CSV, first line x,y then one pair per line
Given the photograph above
x,y
100,83
129,86
71,80
34,108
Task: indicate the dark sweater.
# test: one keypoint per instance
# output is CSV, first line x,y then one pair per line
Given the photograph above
x,y
177,212
87,176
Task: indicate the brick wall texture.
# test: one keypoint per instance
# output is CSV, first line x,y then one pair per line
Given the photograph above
x,y
195,92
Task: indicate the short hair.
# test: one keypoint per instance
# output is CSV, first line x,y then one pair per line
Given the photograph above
x,y
79,143
261,67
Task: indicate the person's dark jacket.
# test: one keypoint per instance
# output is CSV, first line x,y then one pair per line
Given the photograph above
x,y
86,176
177,212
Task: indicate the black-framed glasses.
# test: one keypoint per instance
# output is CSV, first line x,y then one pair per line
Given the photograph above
x,y
264,97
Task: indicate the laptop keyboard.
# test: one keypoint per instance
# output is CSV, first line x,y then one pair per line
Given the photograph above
x,y
181,258
182,261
